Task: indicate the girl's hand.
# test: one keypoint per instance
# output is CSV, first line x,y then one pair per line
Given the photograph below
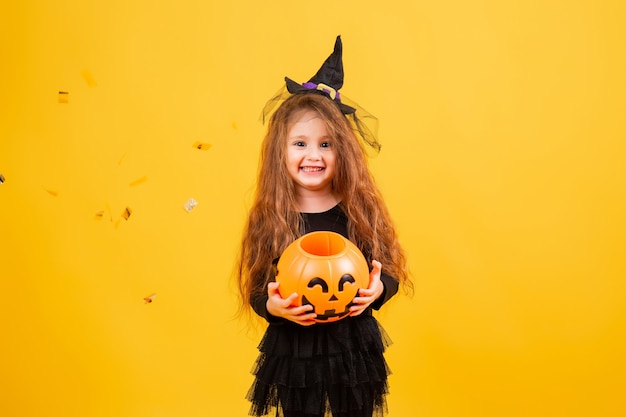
x,y
365,297
283,307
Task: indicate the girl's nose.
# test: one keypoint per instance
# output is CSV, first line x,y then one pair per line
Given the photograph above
x,y
313,153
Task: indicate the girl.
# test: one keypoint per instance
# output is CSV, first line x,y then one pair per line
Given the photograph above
x,y
314,176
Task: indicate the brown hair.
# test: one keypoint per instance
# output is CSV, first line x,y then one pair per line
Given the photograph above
x,y
274,220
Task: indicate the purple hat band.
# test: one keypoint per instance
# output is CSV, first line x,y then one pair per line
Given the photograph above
x,y
332,93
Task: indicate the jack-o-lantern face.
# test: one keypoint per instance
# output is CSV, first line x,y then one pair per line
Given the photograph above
x,y
326,270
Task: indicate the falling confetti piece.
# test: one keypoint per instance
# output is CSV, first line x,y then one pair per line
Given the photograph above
x,y
190,204
127,212
52,192
99,215
91,82
234,125
64,97
138,181
202,146
149,299
2,179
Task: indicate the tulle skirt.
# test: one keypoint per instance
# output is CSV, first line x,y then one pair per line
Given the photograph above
x,y
326,369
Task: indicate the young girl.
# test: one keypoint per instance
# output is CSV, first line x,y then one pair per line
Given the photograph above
x,y
314,176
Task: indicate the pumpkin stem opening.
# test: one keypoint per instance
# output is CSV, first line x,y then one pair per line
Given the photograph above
x,y
323,243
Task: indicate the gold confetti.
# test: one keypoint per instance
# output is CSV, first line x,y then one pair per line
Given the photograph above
x,y
127,212
190,204
202,146
91,82
64,97
52,192
138,181
99,215
149,299
2,179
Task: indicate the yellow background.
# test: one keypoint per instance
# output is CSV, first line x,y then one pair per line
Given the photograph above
x,y
502,164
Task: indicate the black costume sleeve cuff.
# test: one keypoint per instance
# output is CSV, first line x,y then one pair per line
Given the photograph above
x,y
259,305
390,285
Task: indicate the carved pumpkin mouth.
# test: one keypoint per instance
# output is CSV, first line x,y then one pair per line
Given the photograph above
x,y
328,314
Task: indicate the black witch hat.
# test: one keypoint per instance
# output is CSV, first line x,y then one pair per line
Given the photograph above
x,y
327,81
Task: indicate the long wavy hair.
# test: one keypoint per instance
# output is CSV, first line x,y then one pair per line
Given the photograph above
x,y
274,220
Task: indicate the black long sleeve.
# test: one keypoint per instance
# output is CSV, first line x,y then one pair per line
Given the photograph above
x,y
390,285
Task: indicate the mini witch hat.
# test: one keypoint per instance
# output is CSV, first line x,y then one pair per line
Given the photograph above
x,y
327,81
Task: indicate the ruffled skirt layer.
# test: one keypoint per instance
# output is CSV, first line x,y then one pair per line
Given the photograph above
x,y
333,369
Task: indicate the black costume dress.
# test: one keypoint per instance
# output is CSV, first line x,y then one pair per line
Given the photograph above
x,y
325,369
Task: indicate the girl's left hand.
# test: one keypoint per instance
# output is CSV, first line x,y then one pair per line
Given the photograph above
x,y
367,296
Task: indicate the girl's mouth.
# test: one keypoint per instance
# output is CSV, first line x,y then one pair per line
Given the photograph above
x,y
312,169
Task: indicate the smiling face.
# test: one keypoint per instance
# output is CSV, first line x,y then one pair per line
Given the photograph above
x,y
310,155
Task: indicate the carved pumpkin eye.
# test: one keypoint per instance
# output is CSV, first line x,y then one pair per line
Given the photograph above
x,y
321,283
344,279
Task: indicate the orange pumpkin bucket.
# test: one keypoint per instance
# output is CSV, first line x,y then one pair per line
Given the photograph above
x,y
326,270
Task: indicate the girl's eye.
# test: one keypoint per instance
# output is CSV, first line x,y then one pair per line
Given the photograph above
x,y
299,143
325,145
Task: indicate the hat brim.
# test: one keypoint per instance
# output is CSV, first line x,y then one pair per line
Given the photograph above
x,y
297,88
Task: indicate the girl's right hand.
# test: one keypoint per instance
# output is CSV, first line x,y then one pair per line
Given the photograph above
x,y
283,307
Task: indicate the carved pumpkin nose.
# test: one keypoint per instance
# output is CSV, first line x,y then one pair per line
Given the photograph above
x,y
333,298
